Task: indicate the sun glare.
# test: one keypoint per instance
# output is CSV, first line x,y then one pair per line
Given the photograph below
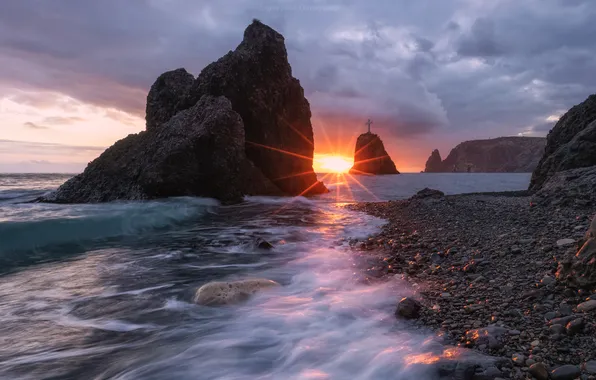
x,y
333,164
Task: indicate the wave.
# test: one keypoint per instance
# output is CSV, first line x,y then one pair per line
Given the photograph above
x,y
31,226
278,200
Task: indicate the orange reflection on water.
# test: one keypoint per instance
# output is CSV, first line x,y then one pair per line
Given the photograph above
x,y
430,358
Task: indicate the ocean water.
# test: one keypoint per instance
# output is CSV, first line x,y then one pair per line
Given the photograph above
x,y
105,291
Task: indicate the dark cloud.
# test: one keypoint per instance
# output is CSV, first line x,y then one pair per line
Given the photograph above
x,y
473,68
31,125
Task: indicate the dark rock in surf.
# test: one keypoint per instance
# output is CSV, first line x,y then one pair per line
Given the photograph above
x,y
262,243
370,156
198,152
570,144
408,308
434,163
258,140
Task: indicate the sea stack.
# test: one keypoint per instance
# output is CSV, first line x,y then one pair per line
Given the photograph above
x,y
433,164
242,127
370,156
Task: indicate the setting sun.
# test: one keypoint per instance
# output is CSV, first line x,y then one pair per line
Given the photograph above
x,y
332,164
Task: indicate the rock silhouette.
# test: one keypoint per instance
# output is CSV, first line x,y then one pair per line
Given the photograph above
x,y
370,156
199,152
434,163
241,128
499,155
570,144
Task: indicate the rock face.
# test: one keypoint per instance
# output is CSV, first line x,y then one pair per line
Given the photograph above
x,y
199,152
573,187
370,156
434,163
499,155
580,270
163,100
241,128
570,144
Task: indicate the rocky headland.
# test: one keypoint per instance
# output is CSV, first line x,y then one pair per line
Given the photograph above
x,y
510,275
370,156
499,155
242,127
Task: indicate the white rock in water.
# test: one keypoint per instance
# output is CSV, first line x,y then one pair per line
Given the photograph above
x,y
565,242
231,292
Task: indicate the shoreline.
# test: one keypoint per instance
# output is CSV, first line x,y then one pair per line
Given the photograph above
x,y
484,266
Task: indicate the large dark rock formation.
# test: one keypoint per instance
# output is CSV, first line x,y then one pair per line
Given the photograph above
x,y
434,164
370,156
198,152
570,144
257,78
241,128
499,155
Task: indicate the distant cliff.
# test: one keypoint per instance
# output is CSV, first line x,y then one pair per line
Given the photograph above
x,y
499,155
370,156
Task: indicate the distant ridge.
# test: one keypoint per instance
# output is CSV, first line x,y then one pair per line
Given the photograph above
x,y
515,154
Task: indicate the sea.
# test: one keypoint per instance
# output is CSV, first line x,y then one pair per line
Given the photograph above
x,y
105,291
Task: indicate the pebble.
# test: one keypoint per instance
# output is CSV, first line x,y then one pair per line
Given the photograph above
x,y
587,306
565,372
590,367
576,326
539,371
565,242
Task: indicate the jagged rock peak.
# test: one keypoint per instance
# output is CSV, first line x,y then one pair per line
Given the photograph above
x,y
433,164
370,156
165,95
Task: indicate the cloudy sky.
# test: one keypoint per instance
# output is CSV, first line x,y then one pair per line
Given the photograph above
x,y
74,74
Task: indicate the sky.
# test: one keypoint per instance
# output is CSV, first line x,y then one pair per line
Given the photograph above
x,y
74,74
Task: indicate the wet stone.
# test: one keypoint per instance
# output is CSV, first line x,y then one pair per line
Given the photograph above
x,y
576,326
408,308
539,371
565,372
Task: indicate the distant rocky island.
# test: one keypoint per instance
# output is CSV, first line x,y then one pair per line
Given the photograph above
x,y
242,127
370,156
498,155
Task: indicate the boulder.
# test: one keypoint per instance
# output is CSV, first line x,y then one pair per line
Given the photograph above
x,y
428,193
370,156
165,96
198,152
434,163
231,292
570,144
257,78
408,308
